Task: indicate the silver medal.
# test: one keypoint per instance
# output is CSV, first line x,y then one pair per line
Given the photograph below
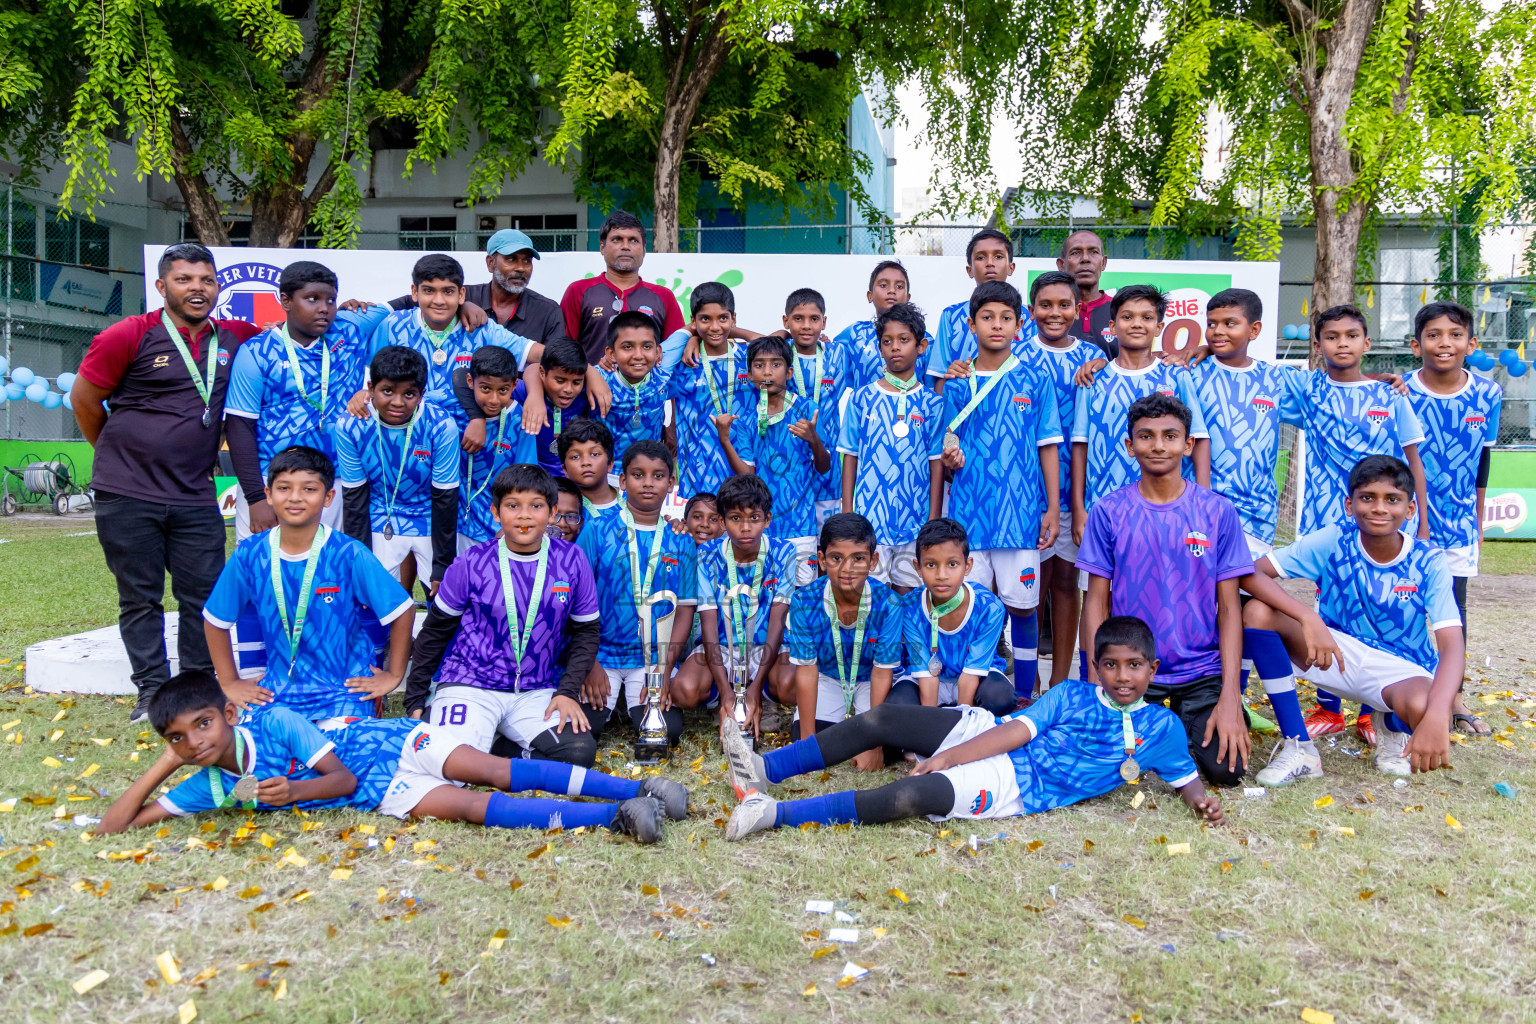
x,y
951,440
389,531
439,357
1130,771
554,447
553,532
900,429
207,417
935,666
245,788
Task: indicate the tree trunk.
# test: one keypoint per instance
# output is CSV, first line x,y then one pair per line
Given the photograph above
x,y
202,205
685,91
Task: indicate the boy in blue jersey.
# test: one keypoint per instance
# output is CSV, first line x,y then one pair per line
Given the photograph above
x,y
1075,743
701,518
706,389
988,257
492,380
638,381
747,556
775,434
1000,444
569,515
891,441
395,766
399,472
562,375
844,671
586,454
1377,586
819,371
888,286
951,630
290,384
636,557
311,590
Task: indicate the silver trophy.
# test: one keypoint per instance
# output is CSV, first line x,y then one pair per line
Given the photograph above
x,y
651,739
739,663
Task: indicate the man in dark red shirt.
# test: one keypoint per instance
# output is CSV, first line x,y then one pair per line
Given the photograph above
x,y
156,509
1082,256
589,304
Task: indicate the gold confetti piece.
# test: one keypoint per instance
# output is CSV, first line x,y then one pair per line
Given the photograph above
x,y
389,844
60,715
649,890
186,1013
282,990
253,891
1323,801
817,954
497,939
556,922
1139,800
167,964
1033,845
267,840
369,830
25,865
13,723
90,770
301,895
292,857
878,933
1177,849
102,741
1226,866
53,762
1367,894
341,874
424,844
85,983
217,884
38,929
1344,830
1132,919
516,884
208,826
309,826
1311,1016
1453,823
1087,845
809,990
541,851
897,894
53,737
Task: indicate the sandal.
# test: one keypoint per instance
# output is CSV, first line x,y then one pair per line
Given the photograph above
x,y
1469,724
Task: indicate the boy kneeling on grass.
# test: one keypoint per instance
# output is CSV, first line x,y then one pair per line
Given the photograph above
x,y
1077,742
396,766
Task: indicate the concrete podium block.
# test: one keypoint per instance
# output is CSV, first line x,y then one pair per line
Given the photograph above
x,y
91,662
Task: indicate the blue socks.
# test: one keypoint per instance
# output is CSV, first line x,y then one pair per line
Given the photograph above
x,y
796,758
830,809
555,777
1366,710
1082,665
1277,676
1328,702
1025,634
509,812
1396,724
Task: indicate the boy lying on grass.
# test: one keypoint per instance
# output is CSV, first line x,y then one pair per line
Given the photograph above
x,y
396,766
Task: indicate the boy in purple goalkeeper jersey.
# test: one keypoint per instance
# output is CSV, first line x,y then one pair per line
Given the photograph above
x,y
512,633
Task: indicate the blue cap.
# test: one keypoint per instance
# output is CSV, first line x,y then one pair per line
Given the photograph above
x,y
508,241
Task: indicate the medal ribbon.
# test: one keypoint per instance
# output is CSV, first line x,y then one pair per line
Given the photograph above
x,y
298,373
759,572
986,389
902,388
509,598
295,633
204,389
847,677
764,421
378,434
935,614
814,390
730,376
216,777
641,588
1126,724
469,470
634,389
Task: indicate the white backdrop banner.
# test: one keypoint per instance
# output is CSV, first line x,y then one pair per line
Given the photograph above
x,y
248,279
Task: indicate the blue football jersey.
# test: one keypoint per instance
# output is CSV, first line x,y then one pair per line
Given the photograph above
x,y
350,586
636,413
1385,605
545,443
400,479
1099,419
999,494
605,541
953,339
865,366
891,484
778,584
1060,366
702,465
970,648
827,391
783,461
810,640
1243,408
505,445
405,327
1457,428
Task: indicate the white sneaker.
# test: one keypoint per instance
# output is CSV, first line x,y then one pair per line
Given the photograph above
x,y
1293,759
756,813
1391,747
747,772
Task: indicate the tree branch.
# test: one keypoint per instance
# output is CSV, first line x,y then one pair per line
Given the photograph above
x,y
202,206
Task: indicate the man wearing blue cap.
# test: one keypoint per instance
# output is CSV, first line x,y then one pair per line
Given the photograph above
x,y
506,298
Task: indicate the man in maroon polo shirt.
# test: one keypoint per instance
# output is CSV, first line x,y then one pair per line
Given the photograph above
x,y
589,304
156,510
1082,256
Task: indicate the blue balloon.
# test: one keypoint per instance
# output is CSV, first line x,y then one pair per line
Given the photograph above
x,y
1509,357
5,364
1289,332
15,392
64,382
23,376
1517,370
1306,332
36,391
69,403
52,400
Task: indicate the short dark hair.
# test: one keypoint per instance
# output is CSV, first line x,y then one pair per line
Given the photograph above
x,y
699,496
437,267
191,689
1343,311
618,220
906,314
582,431
847,526
564,354
885,265
713,293
565,485
942,531
769,345
1139,293
493,361
1125,631
1459,315
632,318
1242,299
1073,234
996,291
645,448
183,252
743,493
297,275
1155,406
1382,467
1051,277
398,363
805,297
522,476
301,458
983,235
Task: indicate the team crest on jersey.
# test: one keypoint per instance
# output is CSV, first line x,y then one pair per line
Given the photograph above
x,y
561,589
1022,401
1166,391
248,291
1027,577
1197,543
422,453
327,593
982,803
421,741
1376,414
223,357
1404,589
1475,420
1263,401
647,310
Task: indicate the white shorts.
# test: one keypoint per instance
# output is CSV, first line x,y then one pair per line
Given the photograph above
x,y
474,716
1257,549
1462,561
896,566
393,551
826,510
754,658
420,770
1367,671
988,788
629,681
1016,570
831,705
1064,548
329,516
806,567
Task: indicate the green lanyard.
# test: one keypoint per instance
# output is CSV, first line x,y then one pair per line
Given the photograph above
x,y
405,450
641,588
509,599
730,377
554,442
934,615
437,338
1130,771
903,387
469,468
294,633
847,671
298,374
204,389
977,397
813,390
733,579
764,421
216,776
634,388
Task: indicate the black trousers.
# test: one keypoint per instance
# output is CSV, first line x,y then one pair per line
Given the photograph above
x,y
1194,702
142,541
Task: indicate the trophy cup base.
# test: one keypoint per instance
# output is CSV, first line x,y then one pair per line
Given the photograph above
x,y
650,752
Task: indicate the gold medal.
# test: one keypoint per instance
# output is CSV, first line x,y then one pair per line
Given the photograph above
x,y
1130,771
